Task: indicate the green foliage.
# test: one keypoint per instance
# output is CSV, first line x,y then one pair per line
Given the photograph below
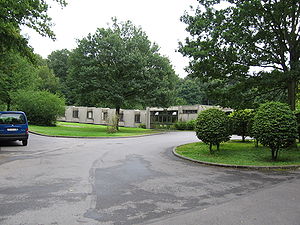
x,y
247,93
142,126
163,127
29,13
47,81
212,127
2,106
58,62
240,122
297,114
119,66
192,91
275,126
16,73
228,44
41,107
189,125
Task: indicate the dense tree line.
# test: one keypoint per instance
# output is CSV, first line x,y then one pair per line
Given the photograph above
x,y
119,66
250,50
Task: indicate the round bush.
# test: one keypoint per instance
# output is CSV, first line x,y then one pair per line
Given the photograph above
x,y
240,122
41,107
275,126
212,127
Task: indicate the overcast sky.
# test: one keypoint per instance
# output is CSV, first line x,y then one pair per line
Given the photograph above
x,y
160,19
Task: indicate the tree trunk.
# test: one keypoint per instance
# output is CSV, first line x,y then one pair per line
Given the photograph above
x,y
243,138
210,148
256,143
8,105
292,91
292,87
218,147
117,117
273,154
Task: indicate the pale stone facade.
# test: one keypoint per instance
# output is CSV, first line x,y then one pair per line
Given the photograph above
x,y
134,118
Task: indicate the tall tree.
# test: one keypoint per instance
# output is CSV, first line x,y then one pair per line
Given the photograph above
x,y
30,13
227,44
47,81
193,91
16,73
58,62
119,66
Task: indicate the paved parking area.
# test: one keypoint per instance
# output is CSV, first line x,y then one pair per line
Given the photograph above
x,y
136,181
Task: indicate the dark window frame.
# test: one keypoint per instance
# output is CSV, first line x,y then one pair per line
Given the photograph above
x,y
105,116
90,112
75,113
121,117
190,111
137,118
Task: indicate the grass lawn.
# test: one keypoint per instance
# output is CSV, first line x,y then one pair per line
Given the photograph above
x,y
87,130
238,153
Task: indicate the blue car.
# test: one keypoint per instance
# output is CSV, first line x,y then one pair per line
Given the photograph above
x,y
13,127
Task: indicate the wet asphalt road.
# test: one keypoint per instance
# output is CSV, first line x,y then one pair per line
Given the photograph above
x,y
55,181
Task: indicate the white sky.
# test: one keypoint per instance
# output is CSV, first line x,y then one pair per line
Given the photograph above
x,y
160,19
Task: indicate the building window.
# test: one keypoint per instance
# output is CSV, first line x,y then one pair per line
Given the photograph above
x,y
104,116
90,114
190,111
164,117
121,115
75,113
137,118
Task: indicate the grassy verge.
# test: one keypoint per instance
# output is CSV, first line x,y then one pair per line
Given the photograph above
x,y
87,130
238,153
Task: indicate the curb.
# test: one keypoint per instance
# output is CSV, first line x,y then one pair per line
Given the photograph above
x,y
288,167
56,136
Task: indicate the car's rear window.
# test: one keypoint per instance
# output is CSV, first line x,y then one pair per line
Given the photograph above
x,y
12,118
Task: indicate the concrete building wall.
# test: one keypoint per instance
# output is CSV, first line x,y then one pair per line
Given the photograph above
x,y
105,116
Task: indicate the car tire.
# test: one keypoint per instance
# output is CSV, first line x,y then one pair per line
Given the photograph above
x,y
25,142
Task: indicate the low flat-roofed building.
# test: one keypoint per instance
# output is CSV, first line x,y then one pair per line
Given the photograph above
x,y
150,117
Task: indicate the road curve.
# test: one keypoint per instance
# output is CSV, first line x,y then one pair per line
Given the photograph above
x,y
135,181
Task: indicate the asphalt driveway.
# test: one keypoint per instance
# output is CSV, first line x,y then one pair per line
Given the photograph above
x,y
136,181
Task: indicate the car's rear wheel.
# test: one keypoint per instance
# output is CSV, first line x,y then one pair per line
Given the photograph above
x,y
25,142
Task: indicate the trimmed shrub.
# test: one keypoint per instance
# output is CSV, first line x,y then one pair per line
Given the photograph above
x,y
240,122
275,126
212,127
142,125
41,107
189,125
180,125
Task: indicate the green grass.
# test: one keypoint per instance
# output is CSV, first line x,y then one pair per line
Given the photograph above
x,y
238,153
87,130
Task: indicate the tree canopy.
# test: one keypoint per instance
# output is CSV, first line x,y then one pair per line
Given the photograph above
x,y
119,66
29,13
192,91
15,73
18,73
249,44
